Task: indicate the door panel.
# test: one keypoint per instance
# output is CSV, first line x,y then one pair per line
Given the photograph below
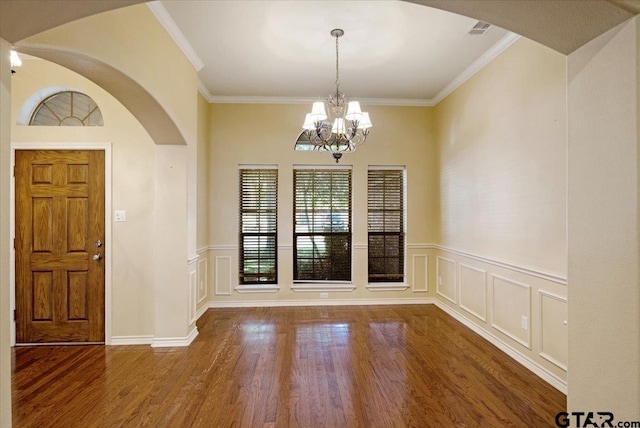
x,y
59,220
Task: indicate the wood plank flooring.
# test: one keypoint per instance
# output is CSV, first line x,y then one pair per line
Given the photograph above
x,y
380,366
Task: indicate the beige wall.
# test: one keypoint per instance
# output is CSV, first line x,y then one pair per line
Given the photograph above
x,y
124,53
200,297
172,282
502,160
202,240
265,134
5,235
604,196
501,258
133,186
131,41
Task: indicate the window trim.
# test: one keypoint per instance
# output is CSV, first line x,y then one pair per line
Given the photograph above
x,y
257,288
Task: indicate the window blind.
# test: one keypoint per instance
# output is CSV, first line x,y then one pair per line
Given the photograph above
x,y
322,219
385,216
258,261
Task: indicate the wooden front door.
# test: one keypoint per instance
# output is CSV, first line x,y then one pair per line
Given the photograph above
x,y
59,246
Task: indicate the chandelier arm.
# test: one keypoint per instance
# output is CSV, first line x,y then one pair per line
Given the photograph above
x,y
352,132
314,138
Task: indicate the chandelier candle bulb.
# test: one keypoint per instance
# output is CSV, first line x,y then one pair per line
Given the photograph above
x,y
345,127
309,123
338,126
365,122
353,111
318,112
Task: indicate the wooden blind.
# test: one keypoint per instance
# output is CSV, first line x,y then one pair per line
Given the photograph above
x,y
385,216
258,259
322,218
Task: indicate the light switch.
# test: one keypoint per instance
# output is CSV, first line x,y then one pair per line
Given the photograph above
x,y
120,215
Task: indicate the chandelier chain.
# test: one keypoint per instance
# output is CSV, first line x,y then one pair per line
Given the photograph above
x,y
337,67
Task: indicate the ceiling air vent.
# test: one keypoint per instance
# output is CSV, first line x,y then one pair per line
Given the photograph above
x,y
479,28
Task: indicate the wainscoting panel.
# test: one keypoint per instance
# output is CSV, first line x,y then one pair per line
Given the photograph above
x,y
420,273
553,329
520,309
193,285
202,278
512,309
222,282
446,279
473,291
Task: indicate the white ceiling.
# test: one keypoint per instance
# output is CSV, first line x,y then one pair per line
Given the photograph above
x,y
392,52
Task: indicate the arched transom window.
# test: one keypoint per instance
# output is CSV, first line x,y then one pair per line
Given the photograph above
x,y
67,108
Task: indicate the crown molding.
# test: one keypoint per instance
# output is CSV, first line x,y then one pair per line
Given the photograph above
x,y
399,102
204,91
169,24
476,66
223,99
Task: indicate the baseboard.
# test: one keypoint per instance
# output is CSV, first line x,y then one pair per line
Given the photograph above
x,y
534,367
164,342
201,311
131,340
328,302
158,342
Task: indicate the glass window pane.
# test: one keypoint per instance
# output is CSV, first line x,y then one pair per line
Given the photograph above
x,y
67,108
258,223
385,221
322,230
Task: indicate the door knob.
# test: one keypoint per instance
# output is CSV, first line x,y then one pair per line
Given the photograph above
x,y
97,257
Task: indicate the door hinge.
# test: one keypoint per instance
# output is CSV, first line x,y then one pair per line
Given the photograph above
x,y
14,170
14,315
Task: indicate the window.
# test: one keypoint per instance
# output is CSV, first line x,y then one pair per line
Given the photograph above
x,y
258,259
67,108
322,219
385,216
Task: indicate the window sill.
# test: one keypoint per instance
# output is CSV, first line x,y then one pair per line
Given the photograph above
x,y
318,286
387,286
257,288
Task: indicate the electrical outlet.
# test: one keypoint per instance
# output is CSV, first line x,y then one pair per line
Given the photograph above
x,y
525,323
324,295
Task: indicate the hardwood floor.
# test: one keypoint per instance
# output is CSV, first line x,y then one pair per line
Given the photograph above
x,y
382,366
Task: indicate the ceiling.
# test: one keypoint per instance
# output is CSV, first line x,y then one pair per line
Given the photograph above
x,y
392,52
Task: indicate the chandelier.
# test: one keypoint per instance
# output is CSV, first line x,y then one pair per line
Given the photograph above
x,y
345,127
